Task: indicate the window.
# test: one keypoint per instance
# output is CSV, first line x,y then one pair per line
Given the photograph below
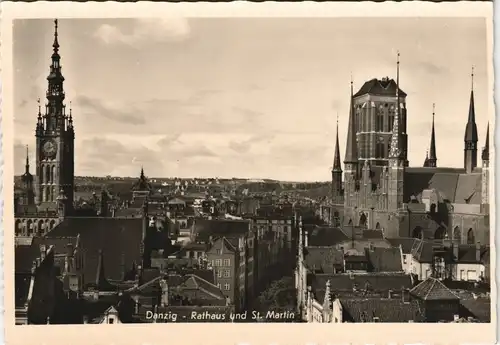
x,y
462,274
404,258
376,319
218,251
379,124
217,262
391,119
285,229
219,273
218,285
379,150
111,320
227,262
227,286
227,273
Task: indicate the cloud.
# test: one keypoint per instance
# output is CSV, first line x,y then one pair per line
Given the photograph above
x,y
245,145
110,111
156,30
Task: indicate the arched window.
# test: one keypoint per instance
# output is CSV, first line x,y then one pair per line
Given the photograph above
x,y
29,227
46,172
363,220
418,232
380,150
52,174
19,227
470,237
457,236
40,227
379,123
391,119
439,233
377,227
52,224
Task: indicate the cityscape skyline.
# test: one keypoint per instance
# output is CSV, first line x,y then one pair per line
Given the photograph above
x,y
231,130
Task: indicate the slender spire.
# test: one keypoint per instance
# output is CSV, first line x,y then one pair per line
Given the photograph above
x,y
56,42
486,150
395,151
142,172
432,152
336,158
351,154
471,128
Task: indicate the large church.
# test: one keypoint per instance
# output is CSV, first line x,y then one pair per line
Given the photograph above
x,y
380,191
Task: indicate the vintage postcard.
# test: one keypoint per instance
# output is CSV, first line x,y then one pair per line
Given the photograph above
x,y
248,163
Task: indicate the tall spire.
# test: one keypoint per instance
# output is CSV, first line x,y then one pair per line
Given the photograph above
x,y
432,152
486,149
55,112
471,128
471,137
396,151
351,154
336,158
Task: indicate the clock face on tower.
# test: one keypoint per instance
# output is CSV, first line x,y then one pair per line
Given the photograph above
x,y
49,148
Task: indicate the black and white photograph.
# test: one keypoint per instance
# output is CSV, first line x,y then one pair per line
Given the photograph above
x,y
252,170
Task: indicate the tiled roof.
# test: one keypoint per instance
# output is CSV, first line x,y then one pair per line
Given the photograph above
x,y
467,254
194,282
380,87
405,243
385,259
454,186
114,236
324,259
326,236
479,308
378,282
432,289
204,228
387,310
372,234
25,255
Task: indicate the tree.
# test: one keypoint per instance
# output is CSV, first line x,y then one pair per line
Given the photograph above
x,y
279,297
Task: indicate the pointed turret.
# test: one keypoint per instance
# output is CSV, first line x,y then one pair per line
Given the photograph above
x,y
432,162
485,155
336,170
102,284
351,153
470,137
426,161
336,158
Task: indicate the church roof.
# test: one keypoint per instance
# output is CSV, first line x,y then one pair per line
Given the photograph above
x,y
453,185
114,236
380,87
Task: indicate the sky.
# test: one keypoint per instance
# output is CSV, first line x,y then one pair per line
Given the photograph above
x,y
244,97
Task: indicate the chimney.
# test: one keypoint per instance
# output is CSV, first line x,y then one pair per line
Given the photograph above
x,y
371,246
164,293
478,251
306,238
389,294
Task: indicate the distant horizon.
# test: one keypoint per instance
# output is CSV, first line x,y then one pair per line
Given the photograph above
x,y
244,96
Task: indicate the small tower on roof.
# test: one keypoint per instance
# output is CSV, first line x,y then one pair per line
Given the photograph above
x,y
337,170
432,161
471,137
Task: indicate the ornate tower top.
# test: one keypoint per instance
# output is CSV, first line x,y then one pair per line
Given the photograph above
x,y
485,155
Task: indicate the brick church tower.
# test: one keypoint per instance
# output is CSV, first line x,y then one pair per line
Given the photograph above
x,y
55,138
